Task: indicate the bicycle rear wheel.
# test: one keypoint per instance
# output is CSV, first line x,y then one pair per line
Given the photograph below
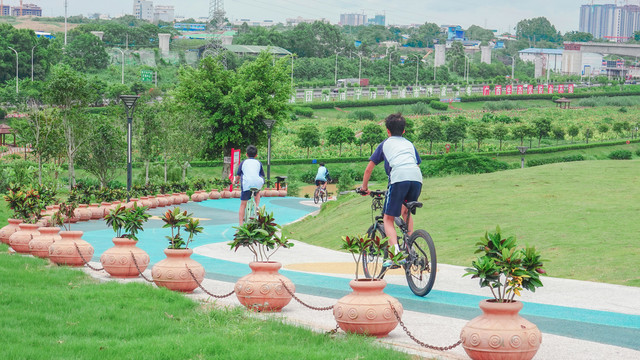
x,y
421,265
316,196
323,195
369,265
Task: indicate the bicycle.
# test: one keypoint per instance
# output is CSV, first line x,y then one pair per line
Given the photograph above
x,y
251,211
420,266
320,194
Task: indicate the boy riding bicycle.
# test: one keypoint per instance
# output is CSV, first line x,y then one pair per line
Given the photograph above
x,y
251,173
322,176
401,162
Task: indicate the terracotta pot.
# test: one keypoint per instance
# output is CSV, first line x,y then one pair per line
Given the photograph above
x,y
177,198
225,194
64,252
153,201
96,212
214,194
118,261
20,239
282,192
39,245
44,220
366,310
235,194
82,212
9,229
500,333
196,196
172,272
105,207
162,201
262,290
169,199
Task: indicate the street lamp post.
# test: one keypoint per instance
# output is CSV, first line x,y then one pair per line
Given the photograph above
x,y
513,68
129,102
523,150
417,67
291,70
335,76
122,63
390,52
269,123
467,67
34,46
14,50
359,69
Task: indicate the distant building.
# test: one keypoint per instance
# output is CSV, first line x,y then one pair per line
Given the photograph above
x,y
26,10
550,58
453,32
190,27
609,21
143,10
266,23
377,20
353,19
300,20
5,10
163,13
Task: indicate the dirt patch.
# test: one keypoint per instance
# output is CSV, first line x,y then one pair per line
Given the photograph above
x,y
26,22
310,189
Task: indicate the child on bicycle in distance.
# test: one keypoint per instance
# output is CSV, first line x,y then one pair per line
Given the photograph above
x,y
322,176
251,173
401,162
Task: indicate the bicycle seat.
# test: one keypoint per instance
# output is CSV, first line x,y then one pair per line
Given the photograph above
x,y
413,205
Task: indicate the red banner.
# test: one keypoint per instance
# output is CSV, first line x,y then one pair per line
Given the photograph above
x,y
529,89
235,163
540,89
498,90
486,91
561,89
520,89
509,89
570,88
550,89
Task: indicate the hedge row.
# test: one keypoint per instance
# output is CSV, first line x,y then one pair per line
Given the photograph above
x,y
553,160
472,98
552,149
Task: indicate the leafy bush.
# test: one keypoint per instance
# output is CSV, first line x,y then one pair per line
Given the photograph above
x,y
638,152
303,111
3,113
362,115
553,160
293,188
461,163
620,155
437,105
502,105
346,182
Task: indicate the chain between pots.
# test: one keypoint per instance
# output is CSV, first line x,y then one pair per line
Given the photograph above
x,y
205,290
304,304
135,262
425,345
85,260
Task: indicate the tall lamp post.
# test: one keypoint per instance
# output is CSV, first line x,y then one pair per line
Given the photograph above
x,y
14,50
335,75
513,68
417,67
359,69
269,123
34,46
523,150
129,102
390,52
122,64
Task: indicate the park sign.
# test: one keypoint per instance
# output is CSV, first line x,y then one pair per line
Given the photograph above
x,y
529,89
146,75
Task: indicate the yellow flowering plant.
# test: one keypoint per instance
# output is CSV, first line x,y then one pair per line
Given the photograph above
x,y
505,269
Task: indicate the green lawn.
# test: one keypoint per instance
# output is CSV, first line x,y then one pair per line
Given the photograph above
x,y
49,312
583,216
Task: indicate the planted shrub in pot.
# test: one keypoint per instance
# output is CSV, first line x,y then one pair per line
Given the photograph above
x,y
368,310
26,206
120,261
173,272
70,249
263,289
506,270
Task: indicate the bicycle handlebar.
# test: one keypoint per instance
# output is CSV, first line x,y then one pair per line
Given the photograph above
x,y
372,193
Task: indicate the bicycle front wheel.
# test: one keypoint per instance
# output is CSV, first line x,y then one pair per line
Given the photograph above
x,y
316,196
369,264
324,195
421,265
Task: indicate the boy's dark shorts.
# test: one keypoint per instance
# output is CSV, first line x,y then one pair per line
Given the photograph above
x,y
320,182
399,193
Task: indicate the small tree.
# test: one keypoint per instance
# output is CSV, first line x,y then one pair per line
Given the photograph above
x,y
431,130
500,132
520,132
587,134
455,131
542,128
480,131
603,129
308,136
558,133
573,131
105,151
372,134
338,135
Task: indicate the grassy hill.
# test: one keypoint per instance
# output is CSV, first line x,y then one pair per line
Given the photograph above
x,y
584,217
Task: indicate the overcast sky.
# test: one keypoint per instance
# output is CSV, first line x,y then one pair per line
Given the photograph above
x,y
493,14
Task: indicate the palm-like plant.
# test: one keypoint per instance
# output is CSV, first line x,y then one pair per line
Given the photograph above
x,y
260,236
177,220
359,246
127,222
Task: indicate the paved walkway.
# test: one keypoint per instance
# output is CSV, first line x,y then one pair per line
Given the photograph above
x,y
579,320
